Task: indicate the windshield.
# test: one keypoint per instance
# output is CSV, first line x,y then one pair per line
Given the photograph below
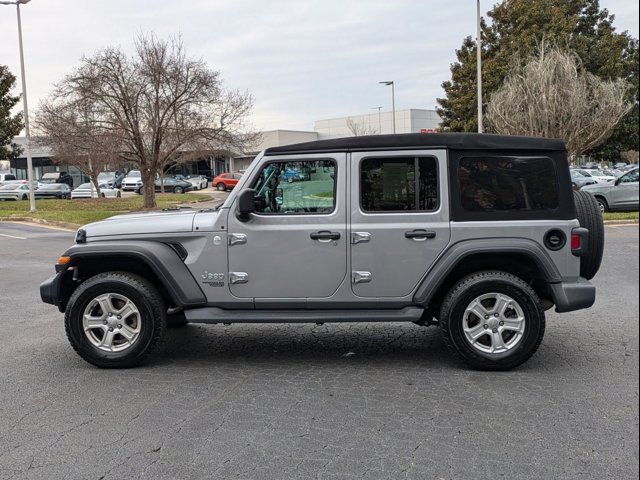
x,y
105,175
84,186
134,174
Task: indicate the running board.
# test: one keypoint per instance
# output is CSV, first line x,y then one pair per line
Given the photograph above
x,y
219,315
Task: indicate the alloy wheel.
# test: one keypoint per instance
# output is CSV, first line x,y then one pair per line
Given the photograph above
x,y
111,322
494,323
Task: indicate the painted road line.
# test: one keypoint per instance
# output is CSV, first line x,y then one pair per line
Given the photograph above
x,y
12,236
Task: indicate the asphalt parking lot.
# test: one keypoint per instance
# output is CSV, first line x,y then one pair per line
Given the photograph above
x,y
306,401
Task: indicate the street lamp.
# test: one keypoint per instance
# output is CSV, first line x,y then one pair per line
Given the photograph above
x,y
479,68
393,100
32,198
379,119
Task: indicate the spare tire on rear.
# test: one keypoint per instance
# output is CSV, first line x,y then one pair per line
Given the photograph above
x,y
590,217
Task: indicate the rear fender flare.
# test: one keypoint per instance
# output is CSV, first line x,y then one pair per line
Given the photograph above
x,y
457,252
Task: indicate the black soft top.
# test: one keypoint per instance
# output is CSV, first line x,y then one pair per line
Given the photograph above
x,y
451,141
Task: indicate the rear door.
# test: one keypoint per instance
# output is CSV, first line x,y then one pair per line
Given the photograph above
x,y
399,211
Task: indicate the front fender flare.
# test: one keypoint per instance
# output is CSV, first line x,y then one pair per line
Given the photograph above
x,y
159,257
457,252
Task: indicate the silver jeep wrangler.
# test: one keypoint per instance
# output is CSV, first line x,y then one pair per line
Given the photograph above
x,y
478,234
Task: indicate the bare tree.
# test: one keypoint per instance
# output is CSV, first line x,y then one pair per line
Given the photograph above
x,y
65,124
551,95
162,106
360,127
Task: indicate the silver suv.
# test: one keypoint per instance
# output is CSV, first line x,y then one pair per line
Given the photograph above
x,y
478,234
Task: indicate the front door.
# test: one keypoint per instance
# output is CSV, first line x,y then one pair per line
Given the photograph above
x,y
625,194
399,219
295,244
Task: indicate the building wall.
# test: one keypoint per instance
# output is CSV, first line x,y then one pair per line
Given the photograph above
x,y
407,121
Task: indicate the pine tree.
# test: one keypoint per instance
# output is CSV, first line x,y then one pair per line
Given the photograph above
x,y
517,29
10,125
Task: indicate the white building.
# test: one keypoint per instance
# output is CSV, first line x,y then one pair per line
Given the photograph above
x,y
412,120
271,138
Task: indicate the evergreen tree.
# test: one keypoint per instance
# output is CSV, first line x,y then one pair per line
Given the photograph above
x,y
10,125
517,29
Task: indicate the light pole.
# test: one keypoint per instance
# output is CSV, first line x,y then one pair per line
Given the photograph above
x,y
479,68
393,101
379,119
32,198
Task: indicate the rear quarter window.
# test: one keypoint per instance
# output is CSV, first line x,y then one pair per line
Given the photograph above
x,y
507,184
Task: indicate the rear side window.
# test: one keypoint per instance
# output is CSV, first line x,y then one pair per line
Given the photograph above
x,y
507,184
405,184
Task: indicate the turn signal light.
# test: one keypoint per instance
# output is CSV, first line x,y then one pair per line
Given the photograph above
x,y
63,260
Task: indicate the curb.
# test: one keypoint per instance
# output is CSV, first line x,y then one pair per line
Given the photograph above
x,y
620,222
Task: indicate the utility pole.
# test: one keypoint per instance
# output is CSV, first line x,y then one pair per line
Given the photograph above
x,y
479,68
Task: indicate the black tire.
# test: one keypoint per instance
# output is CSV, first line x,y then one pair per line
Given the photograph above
x,y
590,217
464,292
178,190
221,187
602,204
145,297
25,197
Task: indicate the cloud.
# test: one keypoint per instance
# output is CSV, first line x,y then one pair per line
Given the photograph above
x,y
302,60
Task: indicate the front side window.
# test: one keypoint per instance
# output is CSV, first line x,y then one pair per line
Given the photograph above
x,y
399,184
296,187
630,177
500,184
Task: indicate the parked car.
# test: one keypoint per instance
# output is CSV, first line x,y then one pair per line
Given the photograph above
x,y
600,176
56,177
111,179
132,181
87,190
171,185
620,165
14,191
6,177
477,234
198,182
621,195
580,178
53,190
226,181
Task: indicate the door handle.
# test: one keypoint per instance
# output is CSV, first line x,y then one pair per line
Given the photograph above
x,y
325,235
420,234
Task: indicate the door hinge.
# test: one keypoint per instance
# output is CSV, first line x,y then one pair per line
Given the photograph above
x,y
360,237
360,277
236,278
237,239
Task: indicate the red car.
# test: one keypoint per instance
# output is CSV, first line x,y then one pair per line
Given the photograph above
x,y
226,181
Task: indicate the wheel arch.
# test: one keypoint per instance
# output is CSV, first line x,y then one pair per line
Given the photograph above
x,y
157,262
523,258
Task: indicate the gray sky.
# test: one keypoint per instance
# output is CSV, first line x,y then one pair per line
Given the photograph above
x,y
302,60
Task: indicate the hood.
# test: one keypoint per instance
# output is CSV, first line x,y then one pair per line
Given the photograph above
x,y
598,187
178,221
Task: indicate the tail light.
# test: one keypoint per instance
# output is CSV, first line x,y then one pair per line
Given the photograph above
x,y
579,241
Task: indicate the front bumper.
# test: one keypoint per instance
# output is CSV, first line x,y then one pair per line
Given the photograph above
x,y
571,296
50,289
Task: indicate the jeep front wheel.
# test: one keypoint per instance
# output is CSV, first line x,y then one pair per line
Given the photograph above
x,y
492,320
115,319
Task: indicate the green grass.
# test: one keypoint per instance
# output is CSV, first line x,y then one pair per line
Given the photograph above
x,y
621,216
80,212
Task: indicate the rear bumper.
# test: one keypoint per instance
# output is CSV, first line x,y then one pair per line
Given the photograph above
x,y
571,296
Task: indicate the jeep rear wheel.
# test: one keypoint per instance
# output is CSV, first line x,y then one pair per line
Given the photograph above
x,y
115,319
492,320
589,214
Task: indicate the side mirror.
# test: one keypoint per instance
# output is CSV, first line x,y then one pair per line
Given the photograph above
x,y
618,181
246,204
